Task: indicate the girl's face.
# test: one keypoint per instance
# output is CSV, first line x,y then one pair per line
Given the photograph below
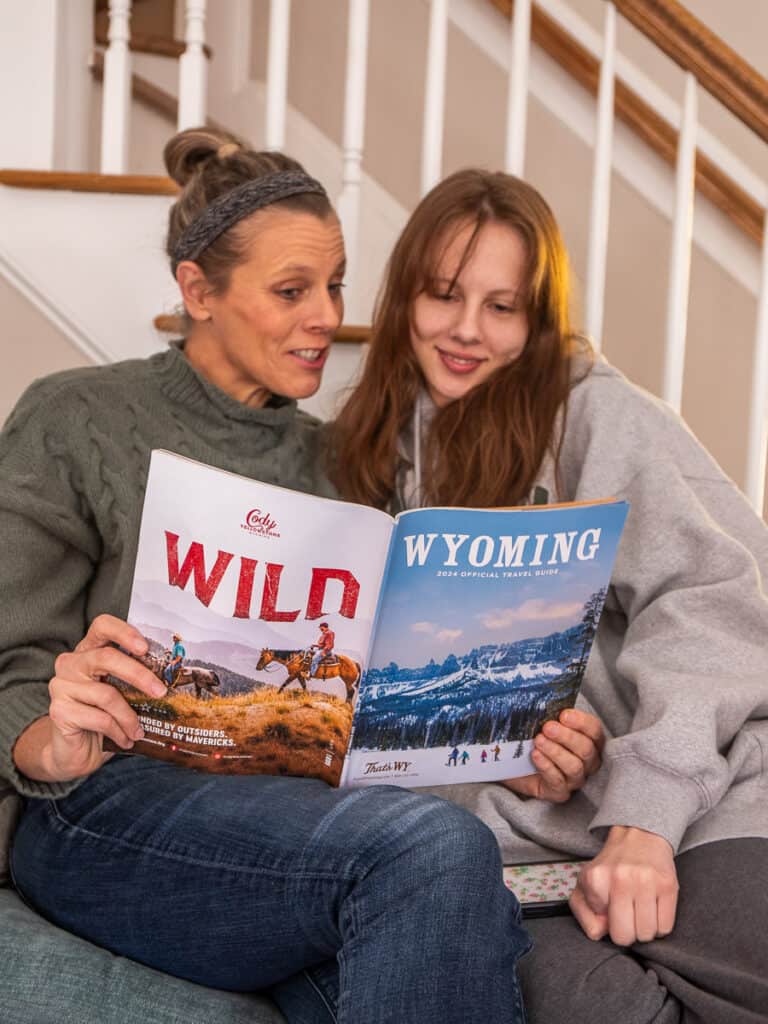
x,y
270,332
465,327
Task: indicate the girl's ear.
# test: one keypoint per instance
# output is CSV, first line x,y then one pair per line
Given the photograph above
x,y
194,290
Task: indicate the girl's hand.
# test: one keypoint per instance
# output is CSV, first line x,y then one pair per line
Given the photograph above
x,y
629,890
67,743
565,753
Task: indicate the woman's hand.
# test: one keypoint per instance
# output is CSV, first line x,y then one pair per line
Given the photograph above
x,y
565,753
67,743
629,891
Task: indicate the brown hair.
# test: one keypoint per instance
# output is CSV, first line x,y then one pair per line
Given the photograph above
x,y
485,448
208,163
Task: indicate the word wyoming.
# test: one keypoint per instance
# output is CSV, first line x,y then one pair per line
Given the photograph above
x,y
506,551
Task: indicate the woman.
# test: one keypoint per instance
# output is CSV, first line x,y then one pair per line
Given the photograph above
x,y
473,364
365,906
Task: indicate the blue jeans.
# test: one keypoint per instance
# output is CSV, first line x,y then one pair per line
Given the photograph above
x,y
357,906
317,657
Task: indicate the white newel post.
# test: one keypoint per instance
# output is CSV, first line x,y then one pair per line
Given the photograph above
x,y
193,68
434,99
352,143
517,95
682,239
601,184
757,448
277,72
117,90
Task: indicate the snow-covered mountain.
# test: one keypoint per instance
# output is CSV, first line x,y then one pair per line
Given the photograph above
x,y
492,692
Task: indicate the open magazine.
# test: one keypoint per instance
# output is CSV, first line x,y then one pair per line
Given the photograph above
x,y
303,636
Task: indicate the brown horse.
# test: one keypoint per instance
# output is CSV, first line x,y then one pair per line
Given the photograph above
x,y
298,664
204,680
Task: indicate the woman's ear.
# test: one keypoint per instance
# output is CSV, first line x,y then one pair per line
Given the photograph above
x,y
195,290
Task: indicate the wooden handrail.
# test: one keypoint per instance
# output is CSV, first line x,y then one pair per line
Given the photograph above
x,y
170,323
576,60
718,68
76,181
143,42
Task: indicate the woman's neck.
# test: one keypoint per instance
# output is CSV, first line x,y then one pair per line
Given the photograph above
x,y
203,351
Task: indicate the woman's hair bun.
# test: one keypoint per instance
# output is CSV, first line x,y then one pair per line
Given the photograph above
x,y
187,151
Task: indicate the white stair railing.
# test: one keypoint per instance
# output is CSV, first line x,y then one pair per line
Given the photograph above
x,y
757,446
597,257
277,72
434,96
517,95
116,100
193,68
682,243
612,65
348,205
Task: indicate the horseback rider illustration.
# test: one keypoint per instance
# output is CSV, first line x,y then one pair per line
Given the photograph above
x,y
323,649
173,668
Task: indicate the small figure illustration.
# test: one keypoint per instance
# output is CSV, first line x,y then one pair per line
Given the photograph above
x,y
173,668
323,648
464,758
496,752
453,757
483,756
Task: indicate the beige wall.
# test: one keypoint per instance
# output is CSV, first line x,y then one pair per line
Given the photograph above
x,y
32,347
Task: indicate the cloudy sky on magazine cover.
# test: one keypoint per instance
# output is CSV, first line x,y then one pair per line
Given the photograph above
x,y
426,615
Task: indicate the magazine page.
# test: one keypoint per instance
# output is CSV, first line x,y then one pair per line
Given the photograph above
x,y
257,603
486,622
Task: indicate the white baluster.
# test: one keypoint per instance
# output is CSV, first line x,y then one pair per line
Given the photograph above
x,y
434,99
601,184
680,261
757,447
517,96
116,95
193,68
354,134
277,72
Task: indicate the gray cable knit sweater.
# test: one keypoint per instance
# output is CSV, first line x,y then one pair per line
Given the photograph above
x,y
73,462
679,669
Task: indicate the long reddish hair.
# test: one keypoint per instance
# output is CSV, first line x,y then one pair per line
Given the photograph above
x,y
485,448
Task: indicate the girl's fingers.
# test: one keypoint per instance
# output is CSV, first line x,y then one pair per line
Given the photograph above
x,y
667,907
556,784
583,722
594,925
569,764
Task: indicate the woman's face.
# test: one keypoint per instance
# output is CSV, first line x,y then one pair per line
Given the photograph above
x,y
271,330
464,328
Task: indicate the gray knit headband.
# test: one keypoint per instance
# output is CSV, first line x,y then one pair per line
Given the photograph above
x,y
241,201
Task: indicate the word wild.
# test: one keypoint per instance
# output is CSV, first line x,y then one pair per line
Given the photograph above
x,y
205,584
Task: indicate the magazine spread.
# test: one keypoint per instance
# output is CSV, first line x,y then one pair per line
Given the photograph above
x,y
303,636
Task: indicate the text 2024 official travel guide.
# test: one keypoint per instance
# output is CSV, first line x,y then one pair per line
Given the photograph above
x,y
304,636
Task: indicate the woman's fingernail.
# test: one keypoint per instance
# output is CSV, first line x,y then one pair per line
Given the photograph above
x,y
139,734
158,690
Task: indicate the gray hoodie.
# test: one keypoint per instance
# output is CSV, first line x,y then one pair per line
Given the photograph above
x,y
679,668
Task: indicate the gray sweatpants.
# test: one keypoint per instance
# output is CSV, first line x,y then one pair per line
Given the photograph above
x,y
712,969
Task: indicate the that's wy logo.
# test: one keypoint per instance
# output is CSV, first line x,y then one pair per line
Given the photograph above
x,y
260,523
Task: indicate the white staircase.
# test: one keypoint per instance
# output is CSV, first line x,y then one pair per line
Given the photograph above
x,y
290,91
